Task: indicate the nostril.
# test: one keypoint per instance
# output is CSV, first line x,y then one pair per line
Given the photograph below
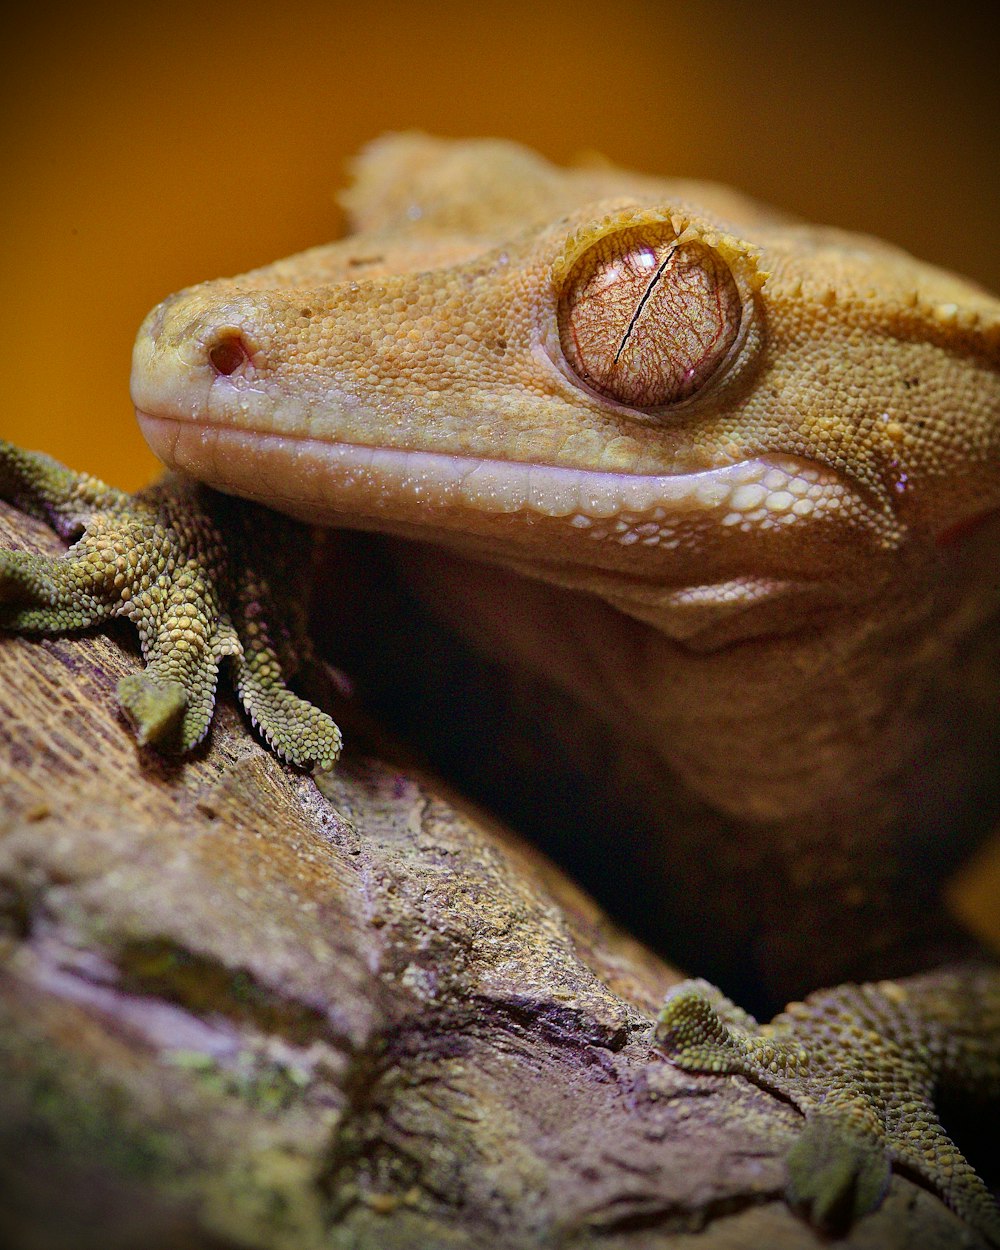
x,y
228,354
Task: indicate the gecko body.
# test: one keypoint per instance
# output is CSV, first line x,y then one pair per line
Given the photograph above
x,y
724,484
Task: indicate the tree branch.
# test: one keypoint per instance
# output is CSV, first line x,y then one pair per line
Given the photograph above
x,y
235,1011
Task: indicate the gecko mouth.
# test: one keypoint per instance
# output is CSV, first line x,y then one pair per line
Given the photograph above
x,y
422,492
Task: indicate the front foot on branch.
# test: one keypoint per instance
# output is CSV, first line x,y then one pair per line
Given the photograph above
x,y
863,1064
182,563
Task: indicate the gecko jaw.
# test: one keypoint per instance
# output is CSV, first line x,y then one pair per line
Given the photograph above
x,y
322,481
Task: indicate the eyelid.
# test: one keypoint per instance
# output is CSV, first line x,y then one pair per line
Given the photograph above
x,y
742,256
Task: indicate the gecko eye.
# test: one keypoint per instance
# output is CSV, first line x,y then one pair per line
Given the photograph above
x,y
646,320
228,354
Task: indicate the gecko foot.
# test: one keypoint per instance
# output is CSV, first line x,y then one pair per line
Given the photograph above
x,y
862,1063
175,560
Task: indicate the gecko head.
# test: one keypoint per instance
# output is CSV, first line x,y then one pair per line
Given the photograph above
x,y
624,394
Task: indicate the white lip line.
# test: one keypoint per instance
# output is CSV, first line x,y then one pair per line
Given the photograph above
x,y
747,491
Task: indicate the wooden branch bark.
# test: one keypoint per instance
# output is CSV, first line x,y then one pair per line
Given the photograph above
x,y
237,1012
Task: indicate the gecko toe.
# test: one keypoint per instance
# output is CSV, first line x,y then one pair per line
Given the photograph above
x,y
179,563
863,1064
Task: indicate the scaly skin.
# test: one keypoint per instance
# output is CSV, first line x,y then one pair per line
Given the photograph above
x,y
862,1063
166,559
735,481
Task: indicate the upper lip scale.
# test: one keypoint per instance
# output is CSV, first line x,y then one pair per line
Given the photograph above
x,y
493,486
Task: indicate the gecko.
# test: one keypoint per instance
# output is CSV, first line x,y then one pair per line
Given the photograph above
x,y
717,487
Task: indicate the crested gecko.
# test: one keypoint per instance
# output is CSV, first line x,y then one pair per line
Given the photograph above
x,y
722,484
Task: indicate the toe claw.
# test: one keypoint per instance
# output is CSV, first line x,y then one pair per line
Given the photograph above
x,y
835,1175
156,709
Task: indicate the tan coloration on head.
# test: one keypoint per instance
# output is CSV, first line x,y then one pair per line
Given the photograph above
x,y
812,392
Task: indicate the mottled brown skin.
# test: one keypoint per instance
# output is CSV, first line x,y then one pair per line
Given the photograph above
x,y
741,515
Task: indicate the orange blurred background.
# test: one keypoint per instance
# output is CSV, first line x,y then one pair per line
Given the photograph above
x,y
145,148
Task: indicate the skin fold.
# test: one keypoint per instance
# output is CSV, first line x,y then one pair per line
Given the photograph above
x,y
710,498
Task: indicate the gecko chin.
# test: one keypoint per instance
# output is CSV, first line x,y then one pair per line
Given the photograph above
x,y
650,529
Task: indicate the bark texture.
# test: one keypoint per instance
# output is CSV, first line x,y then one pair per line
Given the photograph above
x,y
238,1012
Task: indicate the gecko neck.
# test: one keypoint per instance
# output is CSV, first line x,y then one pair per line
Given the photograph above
x,y
878,716
853,719
865,723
